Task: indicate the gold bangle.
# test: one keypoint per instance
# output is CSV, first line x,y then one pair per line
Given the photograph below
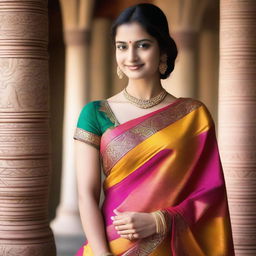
x,y
163,222
157,222
161,225
155,218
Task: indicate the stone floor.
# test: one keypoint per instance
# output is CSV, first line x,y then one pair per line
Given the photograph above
x,y
68,245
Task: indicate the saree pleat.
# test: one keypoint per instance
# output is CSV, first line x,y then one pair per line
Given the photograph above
x,y
168,161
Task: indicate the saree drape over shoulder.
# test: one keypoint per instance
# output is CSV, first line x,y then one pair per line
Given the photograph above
x,y
166,160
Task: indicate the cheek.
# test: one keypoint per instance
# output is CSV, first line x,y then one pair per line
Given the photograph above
x,y
153,56
119,58
154,60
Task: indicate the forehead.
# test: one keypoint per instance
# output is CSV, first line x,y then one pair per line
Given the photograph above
x,y
132,32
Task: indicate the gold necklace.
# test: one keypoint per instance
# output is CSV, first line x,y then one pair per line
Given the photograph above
x,y
141,103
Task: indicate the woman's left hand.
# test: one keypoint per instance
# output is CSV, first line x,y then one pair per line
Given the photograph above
x,y
134,225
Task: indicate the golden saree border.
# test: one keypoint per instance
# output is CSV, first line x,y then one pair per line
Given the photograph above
x,y
145,246
87,137
123,143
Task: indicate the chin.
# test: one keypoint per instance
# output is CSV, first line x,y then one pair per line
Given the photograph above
x,y
138,76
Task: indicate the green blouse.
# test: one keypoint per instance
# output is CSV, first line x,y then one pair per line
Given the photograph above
x,y
94,119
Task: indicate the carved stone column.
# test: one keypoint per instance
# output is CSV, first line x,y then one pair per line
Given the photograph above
x,y
101,59
237,118
77,22
184,18
24,129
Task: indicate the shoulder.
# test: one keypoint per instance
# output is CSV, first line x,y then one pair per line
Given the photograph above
x,y
90,106
88,118
87,129
200,107
194,103
90,110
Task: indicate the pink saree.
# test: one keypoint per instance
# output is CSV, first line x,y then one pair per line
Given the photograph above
x,y
167,160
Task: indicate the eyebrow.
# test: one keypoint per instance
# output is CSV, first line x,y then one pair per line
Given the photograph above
x,y
138,41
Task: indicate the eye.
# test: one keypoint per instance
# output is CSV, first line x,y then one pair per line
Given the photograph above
x,y
143,45
121,47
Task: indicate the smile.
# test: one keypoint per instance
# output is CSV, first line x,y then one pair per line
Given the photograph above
x,y
134,67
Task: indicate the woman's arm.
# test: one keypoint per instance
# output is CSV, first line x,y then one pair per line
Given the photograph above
x,y
89,188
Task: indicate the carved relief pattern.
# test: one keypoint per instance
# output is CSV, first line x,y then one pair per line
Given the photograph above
x,y
24,25
23,84
237,118
35,250
24,130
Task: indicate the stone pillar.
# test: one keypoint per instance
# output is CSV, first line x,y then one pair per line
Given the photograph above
x,y
237,118
77,22
101,59
24,129
184,19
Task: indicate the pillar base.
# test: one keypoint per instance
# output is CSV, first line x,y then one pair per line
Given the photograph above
x,y
67,223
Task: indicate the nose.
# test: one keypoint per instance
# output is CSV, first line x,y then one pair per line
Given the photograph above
x,y
132,54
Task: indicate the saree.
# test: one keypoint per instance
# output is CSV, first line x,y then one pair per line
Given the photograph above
x,y
166,160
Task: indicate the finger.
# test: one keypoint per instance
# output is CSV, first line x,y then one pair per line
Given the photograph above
x,y
134,237
124,227
119,222
117,217
126,231
123,220
121,216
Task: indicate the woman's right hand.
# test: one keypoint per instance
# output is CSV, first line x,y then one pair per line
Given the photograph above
x,y
134,225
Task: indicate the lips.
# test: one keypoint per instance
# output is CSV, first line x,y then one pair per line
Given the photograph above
x,y
134,67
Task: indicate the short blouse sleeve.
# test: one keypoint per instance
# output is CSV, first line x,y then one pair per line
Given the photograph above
x,y
87,129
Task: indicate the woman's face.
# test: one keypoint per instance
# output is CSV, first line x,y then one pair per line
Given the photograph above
x,y
137,52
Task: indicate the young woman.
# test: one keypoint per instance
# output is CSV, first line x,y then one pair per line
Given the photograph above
x,y
164,187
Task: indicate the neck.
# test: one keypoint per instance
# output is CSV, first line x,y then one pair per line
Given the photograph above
x,y
144,89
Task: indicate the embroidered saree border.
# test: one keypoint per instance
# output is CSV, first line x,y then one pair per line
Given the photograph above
x,y
123,143
104,107
121,128
146,246
87,137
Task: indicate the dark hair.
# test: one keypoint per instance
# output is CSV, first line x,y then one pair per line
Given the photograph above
x,y
155,23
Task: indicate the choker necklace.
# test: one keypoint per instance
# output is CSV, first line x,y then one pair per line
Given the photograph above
x,y
145,103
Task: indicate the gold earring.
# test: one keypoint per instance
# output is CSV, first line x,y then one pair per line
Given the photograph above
x,y
163,64
119,72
